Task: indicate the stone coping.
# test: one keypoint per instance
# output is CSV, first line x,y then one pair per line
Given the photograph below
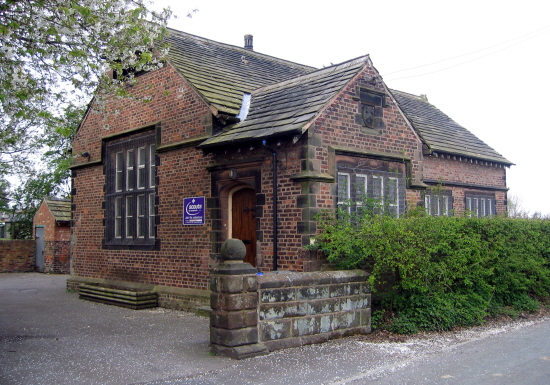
x,y
277,279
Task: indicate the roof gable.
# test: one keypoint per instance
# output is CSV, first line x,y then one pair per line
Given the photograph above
x,y
222,73
287,107
60,209
442,134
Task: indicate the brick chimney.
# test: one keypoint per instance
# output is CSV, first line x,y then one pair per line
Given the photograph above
x,y
248,42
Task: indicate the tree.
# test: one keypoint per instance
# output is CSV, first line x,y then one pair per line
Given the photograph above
x,y
54,55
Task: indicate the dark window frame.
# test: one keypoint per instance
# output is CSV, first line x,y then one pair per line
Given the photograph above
x,y
477,204
130,190
438,203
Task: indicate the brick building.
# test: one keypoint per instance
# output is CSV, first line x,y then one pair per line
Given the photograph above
x,y
52,232
224,142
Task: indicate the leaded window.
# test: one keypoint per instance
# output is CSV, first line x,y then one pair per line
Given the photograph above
x,y
438,203
371,191
480,205
130,209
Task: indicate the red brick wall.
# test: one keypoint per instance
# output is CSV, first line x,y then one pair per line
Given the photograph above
x,y
337,127
56,241
183,257
45,218
450,169
17,256
186,253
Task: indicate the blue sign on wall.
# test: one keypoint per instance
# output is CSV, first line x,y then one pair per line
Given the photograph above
x,y
193,211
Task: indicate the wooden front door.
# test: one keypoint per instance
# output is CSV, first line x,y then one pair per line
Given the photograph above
x,y
243,225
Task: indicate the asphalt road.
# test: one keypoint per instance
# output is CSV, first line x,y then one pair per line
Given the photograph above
x,y
49,336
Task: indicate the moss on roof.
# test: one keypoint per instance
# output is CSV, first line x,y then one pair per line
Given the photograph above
x,y
60,209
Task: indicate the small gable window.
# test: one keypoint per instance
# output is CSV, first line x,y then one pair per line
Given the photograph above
x,y
130,191
371,105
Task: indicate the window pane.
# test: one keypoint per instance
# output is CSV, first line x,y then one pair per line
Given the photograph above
x,y
428,204
130,176
141,168
152,166
343,187
392,199
360,188
444,206
142,217
378,193
118,217
129,216
119,171
151,215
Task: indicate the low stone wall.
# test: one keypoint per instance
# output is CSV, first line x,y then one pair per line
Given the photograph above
x,y
304,308
254,313
17,256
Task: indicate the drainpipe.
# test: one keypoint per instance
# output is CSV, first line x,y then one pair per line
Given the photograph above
x,y
275,207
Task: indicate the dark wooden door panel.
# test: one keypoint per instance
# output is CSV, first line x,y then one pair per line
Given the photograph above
x,y
244,221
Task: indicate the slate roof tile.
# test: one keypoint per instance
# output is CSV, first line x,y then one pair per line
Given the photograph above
x,y
222,73
285,108
285,95
441,133
60,209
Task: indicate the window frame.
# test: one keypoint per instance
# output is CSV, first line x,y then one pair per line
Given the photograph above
x,y
433,203
479,205
355,202
130,190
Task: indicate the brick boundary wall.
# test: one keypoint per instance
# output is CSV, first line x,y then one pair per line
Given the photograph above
x,y
57,257
17,256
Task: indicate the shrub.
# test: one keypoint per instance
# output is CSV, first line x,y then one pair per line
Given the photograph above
x,y
435,273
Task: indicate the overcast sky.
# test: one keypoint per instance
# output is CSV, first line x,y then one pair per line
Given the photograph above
x,y
484,63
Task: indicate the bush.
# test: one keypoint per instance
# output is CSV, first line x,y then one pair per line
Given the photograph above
x,y
435,273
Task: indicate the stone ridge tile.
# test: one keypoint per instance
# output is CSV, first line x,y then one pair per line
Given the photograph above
x,y
344,276
441,133
275,279
60,209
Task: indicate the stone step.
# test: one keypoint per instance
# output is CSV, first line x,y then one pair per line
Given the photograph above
x,y
132,299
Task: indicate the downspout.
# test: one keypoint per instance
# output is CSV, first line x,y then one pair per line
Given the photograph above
x,y
275,207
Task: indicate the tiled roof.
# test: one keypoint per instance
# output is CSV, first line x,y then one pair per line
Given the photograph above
x,y
286,107
60,208
222,73
441,133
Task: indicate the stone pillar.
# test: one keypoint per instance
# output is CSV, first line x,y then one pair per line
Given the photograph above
x,y
234,303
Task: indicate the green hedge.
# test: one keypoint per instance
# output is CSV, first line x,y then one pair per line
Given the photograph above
x,y
435,273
